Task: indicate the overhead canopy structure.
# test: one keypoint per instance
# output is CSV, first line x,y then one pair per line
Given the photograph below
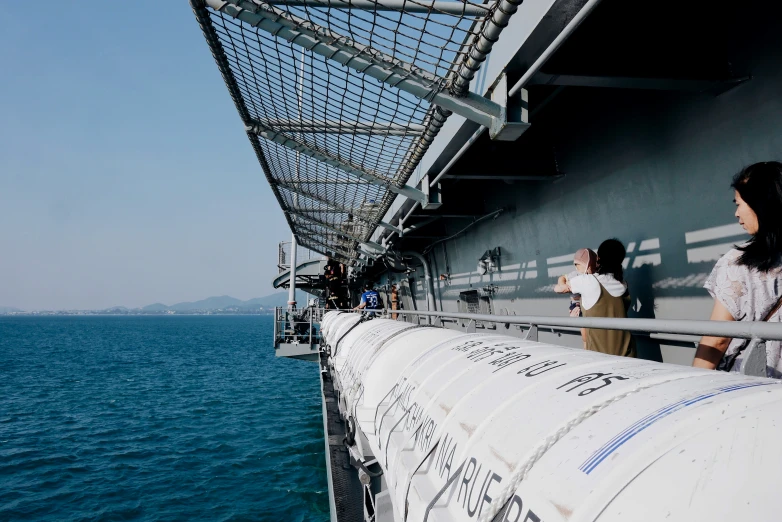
x,y
341,99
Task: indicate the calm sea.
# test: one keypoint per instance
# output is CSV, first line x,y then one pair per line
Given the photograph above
x,y
156,418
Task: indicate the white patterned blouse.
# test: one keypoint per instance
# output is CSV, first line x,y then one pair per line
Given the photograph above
x,y
749,295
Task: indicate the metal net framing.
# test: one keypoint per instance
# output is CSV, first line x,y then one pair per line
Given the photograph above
x,y
353,119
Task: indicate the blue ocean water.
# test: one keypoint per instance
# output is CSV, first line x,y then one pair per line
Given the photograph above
x,y
156,418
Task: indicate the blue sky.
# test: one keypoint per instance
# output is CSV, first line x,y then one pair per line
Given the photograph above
x,y
125,175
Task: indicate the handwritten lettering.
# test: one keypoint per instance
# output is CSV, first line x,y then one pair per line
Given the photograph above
x,y
508,359
466,346
483,353
538,368
605,378
508,346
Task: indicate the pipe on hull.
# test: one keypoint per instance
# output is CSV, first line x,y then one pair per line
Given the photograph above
x,y
429,285
478,427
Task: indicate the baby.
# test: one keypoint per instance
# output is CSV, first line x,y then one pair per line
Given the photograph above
x,y
585,262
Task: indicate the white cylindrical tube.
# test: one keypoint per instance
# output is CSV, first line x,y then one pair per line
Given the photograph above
x,y
483,426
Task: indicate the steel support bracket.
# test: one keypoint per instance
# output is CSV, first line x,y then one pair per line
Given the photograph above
x,y
434,198
371,248
754,360
532,333
367,251
389,226
513,119
419,225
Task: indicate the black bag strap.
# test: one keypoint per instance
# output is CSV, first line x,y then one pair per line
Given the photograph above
x,y
774,310
730,361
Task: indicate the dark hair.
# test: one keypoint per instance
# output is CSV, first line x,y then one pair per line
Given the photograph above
x,y
368,286
760,186
610,255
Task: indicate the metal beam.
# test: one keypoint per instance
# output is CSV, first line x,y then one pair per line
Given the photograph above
x,y
335,182
328,252
333,228
505,178
331,239
315,197
337,209
361,58
318,211
420,224
388,226
369,222
455,216
422,237
305,232
732,329
328,226
652,84
305,239
342,127
362,248
309,239
407,6
339,163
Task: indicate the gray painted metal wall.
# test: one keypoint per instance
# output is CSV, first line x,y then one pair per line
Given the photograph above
x,y
651,169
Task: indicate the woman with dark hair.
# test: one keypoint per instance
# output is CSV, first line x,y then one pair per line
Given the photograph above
x,y
746,283
605,294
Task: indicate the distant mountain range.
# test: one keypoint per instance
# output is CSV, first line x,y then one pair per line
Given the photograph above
x,y
210,304
226,301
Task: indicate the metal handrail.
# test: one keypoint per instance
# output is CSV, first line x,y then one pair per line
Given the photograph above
x,y
732,329
284,326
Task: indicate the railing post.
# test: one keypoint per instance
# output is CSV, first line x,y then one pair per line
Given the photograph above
x,y
532,333
275,327
754,361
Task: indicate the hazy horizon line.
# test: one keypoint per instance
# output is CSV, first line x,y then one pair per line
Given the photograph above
x,y
45,309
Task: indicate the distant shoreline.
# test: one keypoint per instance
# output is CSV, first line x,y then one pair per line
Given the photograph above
x,y
85,313
215,305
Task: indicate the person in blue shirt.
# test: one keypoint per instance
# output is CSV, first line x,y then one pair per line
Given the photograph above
x,y
370,300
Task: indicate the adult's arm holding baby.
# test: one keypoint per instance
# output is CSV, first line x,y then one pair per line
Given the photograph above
x,y
562,286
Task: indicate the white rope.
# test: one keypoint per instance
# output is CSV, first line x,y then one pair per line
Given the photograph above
x,y
522,471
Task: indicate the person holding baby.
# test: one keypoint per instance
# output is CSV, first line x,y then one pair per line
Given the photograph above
x,y
598,289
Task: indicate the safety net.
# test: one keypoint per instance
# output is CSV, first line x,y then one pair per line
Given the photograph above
x,y
316,85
